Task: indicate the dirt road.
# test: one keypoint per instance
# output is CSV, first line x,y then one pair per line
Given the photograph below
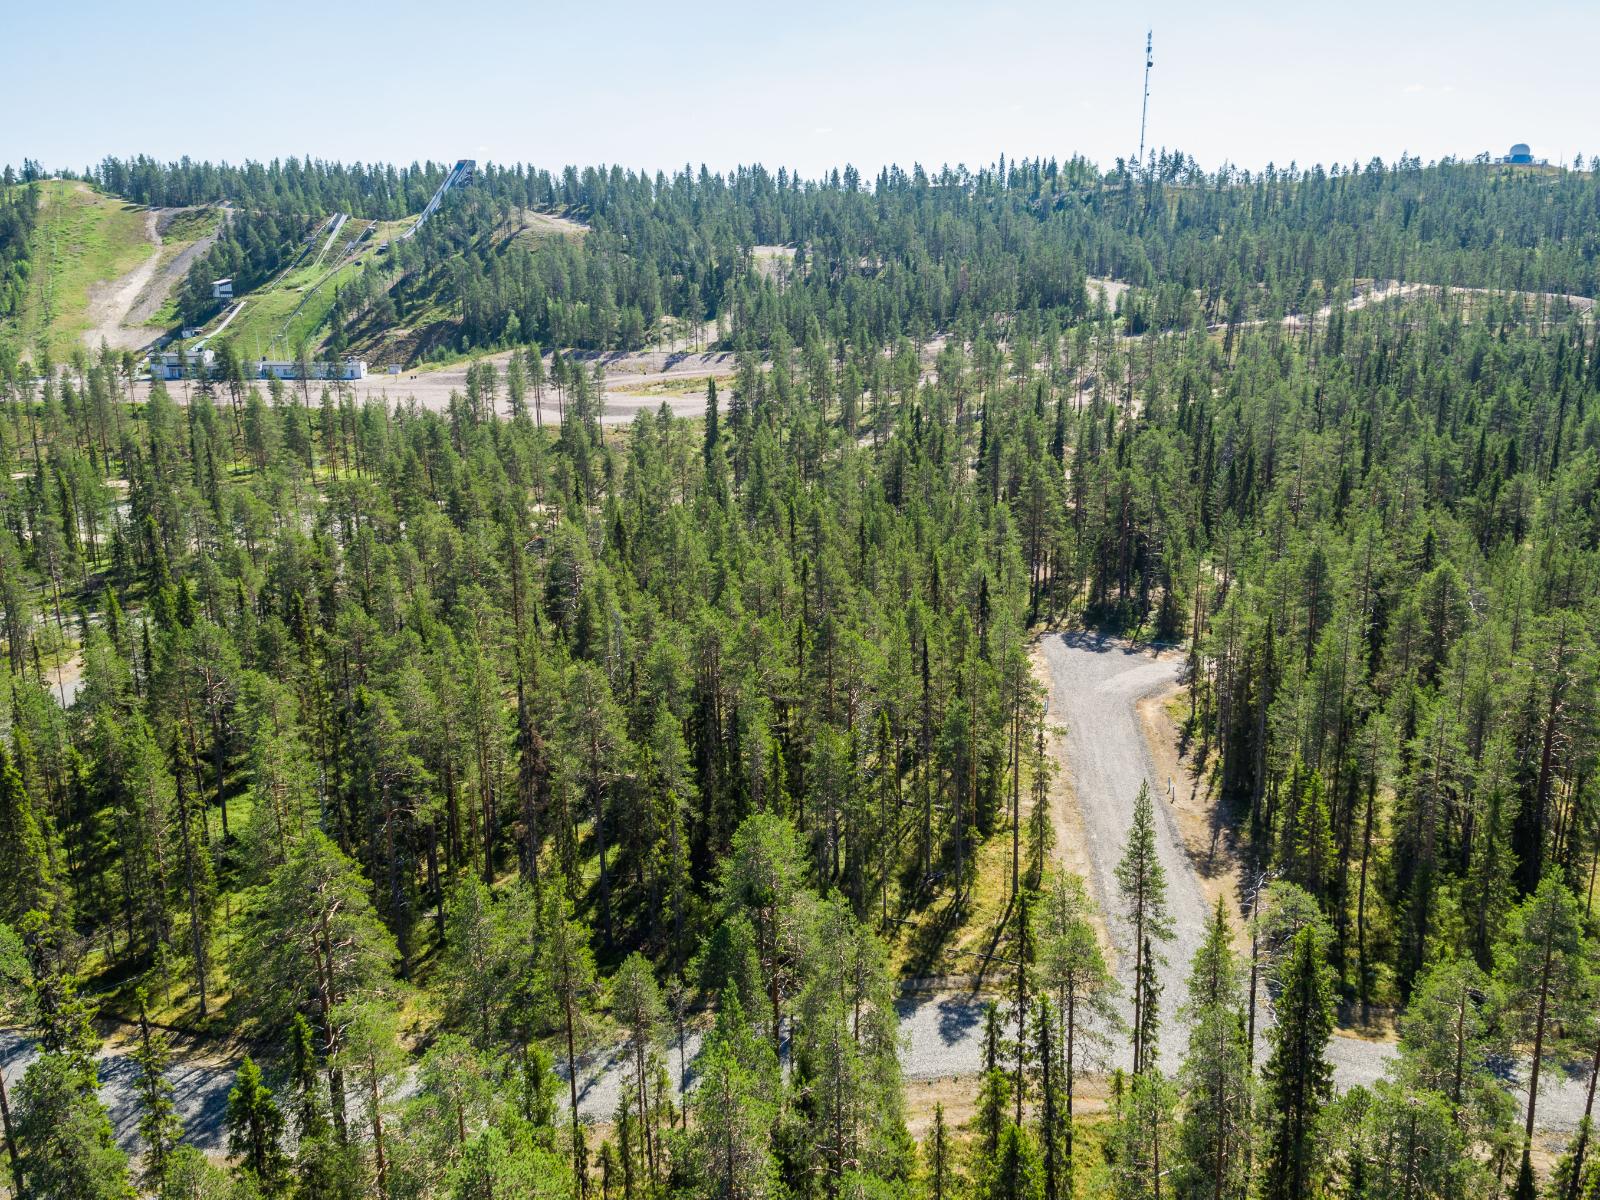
x,y
1096,684
120,311
634,382
111,304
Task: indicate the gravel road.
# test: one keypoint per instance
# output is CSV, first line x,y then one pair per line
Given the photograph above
x,y
635,382
1095,686
1096,683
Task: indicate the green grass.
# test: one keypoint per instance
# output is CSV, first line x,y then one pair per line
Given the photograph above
x,y
83,238
295,305
190,225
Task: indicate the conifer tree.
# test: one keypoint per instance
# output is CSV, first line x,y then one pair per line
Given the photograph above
x,y
636,1006
1448,1039
1073,970
159,1125
940,1180
735,1103
1142,886
566,972
1542,965
1046,1057
1141,1137
26,875
371,1053
1215,1079
1016,1174
65,1134
1298,1081
994,1088
255,1128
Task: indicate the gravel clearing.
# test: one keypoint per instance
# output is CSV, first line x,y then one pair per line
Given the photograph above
x,y
200,1084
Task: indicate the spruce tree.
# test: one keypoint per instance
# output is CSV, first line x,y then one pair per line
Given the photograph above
x,y
937,1152
1142,886
1016,1173
1215,1079
159,1125
994,1087
1298,1081
26,877
255,1128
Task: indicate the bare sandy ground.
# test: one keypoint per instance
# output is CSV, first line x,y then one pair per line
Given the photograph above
x,y
1109,290
538,225
111,304
634,382
120,311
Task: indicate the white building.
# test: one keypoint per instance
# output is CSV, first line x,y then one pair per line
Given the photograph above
x,y
222,289
171,364
349,368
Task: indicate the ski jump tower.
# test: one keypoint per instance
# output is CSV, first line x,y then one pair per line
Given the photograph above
x,y
459,174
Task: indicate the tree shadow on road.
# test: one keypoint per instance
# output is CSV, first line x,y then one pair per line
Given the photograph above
x,y
1098,641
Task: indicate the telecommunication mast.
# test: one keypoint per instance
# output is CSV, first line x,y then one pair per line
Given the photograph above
x,y
1144,111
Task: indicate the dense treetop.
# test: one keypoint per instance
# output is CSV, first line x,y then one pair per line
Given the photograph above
x,y
426,749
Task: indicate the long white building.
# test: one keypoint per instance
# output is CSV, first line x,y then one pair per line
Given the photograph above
x,y
348,368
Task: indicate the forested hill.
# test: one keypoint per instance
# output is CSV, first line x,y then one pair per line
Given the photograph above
x,y
917,252
423,752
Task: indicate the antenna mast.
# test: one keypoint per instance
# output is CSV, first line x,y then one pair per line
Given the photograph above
x,y
1144,111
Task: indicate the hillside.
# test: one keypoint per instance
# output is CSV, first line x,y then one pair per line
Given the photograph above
x,y
104,269
273,319
301,303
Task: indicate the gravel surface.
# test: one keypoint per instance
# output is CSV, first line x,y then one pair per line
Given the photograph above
x,y
635,382
200,1084
941,1035
1096,683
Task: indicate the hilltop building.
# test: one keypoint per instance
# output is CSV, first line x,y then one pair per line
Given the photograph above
x,y
1521,155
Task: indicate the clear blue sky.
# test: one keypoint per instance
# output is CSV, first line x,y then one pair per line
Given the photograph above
x,y
806,85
